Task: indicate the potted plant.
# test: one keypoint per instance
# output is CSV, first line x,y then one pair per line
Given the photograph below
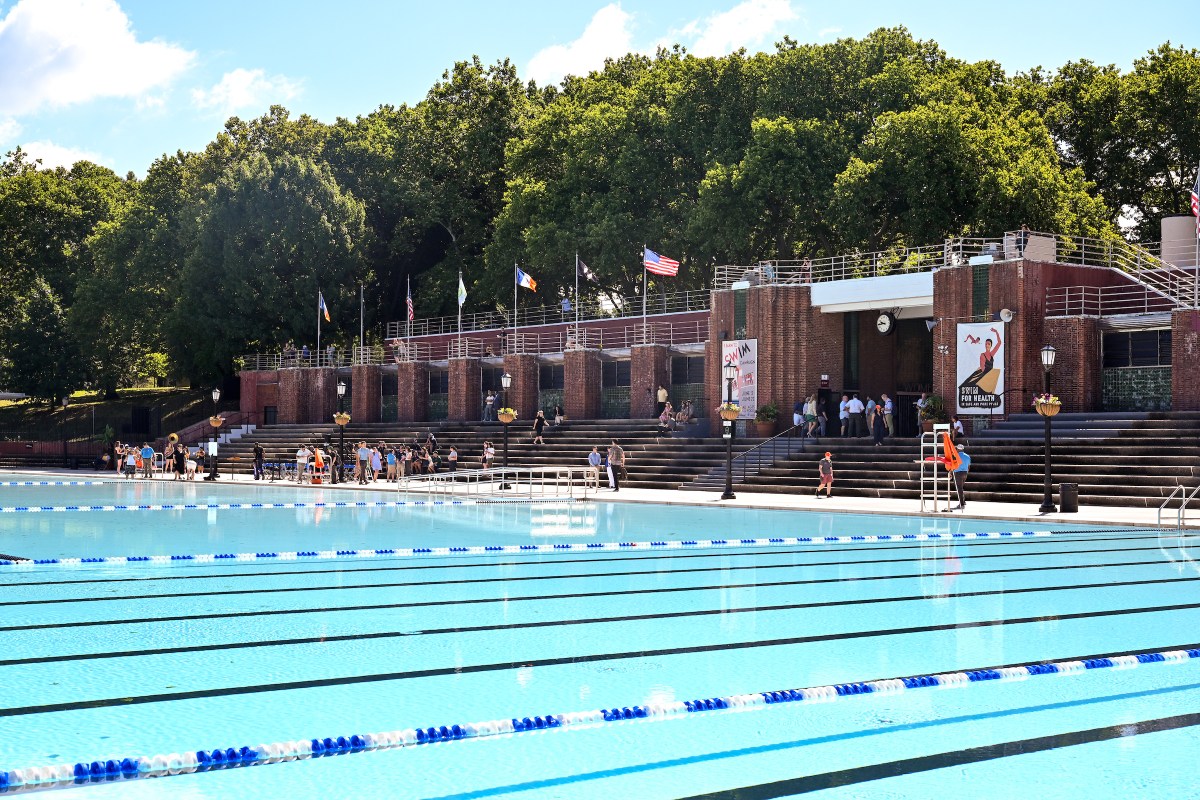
x,y
1047,404
341,418
506,415
934,413
764,420
729,411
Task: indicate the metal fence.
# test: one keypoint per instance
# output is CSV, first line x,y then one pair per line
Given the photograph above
x,y
1104,301
589,311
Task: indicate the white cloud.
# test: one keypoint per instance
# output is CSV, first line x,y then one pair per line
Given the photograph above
x,y
821,34
749,24
608,35
245,89
9,129
56,53
55,155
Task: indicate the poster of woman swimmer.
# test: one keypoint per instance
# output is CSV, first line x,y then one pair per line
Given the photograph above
x,y
986,376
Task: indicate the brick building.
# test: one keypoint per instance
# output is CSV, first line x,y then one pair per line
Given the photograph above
x,y
1118,314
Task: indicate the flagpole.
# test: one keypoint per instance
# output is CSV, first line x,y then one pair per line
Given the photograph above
x,y
319,298
459,299
576,292
644,282
362,303
407,316
514,341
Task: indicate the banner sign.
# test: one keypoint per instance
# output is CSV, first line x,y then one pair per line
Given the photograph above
x,y
980,373
744,355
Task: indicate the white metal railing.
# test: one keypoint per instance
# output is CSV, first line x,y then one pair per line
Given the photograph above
x,y
1104,301
1185,499
589,310
510,482
934,486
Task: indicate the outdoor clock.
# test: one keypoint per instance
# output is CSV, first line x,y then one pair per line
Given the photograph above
x,y
885,323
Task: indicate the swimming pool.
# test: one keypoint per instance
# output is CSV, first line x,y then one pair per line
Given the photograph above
x,y
103,660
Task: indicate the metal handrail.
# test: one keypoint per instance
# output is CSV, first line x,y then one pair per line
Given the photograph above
x,y
1104,301
1185,500
527,482
929,461
789,434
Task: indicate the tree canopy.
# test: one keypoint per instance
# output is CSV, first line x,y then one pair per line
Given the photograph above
x,y
809,150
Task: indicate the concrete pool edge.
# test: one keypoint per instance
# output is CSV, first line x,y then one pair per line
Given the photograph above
x,y
1106,516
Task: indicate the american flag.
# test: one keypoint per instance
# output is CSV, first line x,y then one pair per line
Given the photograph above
x,y
659,265
411,314
1196,201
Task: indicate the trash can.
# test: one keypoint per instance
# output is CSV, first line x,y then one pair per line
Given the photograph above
x,y
1068,498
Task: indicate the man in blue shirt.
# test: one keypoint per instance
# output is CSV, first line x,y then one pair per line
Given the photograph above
x,y
960,475
147,461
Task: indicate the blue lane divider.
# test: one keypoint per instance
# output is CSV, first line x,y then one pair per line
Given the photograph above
x,y
131,767
232,506
56,483
525,549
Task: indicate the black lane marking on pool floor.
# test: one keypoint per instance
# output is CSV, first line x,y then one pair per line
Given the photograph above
x,y
806,784
566,576
326,638
552,560
520,598
543,597
466,669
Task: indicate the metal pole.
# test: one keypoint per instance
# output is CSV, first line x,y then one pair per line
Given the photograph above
x,y
1047,492
728,494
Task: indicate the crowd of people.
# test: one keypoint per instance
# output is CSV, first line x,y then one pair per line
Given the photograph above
x,y
365,463
175,460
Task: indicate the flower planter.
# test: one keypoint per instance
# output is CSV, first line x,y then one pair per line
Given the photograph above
x,y
729,414
761,430
506,417
1048,410
341,419
216,422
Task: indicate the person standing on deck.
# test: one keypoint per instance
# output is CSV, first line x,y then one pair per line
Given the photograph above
x,y
616,465
960,475
825,470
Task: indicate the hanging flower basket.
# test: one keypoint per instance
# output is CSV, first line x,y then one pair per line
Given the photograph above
x,y
216,421
341,418
729,411
506,415
1047,404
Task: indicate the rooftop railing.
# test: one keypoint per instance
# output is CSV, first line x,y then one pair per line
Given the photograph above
x,y
590,310
1104,301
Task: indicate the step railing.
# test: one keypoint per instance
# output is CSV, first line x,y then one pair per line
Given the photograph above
x,y
527,483
779,446
1185,499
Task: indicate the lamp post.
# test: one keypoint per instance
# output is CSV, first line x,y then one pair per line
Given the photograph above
x,y
1047,411
341,418
215,421
505,382
63,425
730,373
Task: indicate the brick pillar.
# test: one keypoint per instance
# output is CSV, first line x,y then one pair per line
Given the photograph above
x,y
523,394
254,395
720,327
367,403
951,303
1185,361
293,388
412,387
1077,377
581,377
465,401
320,394
649,368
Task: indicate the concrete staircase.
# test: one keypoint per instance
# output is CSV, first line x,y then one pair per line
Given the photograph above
x,y
653,461
1121,459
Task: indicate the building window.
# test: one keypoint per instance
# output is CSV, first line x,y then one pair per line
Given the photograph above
x,y
550,376
980,301
439,383
615,373
490,379
1137,349
687,369
739,313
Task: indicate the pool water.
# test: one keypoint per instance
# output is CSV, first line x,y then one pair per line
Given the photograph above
x,y
100,660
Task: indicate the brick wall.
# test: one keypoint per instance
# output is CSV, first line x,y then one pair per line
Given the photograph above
x,y
259,389
412,389
321,397
523,394
951,304
1077,375
465,400
293,388
367,403
1185,361
581,379
649,368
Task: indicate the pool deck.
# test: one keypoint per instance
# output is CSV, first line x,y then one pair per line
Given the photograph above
x,y
1103,516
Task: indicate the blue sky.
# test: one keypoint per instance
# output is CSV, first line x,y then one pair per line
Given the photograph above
x,y
123,81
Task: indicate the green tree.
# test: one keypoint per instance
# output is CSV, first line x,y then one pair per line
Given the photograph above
x,y
40,355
